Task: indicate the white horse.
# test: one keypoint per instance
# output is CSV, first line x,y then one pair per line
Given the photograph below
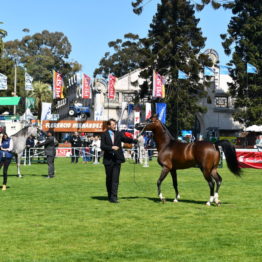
x,y
19,142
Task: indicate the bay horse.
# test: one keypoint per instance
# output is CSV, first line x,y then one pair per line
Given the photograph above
x,y
174,155
19,143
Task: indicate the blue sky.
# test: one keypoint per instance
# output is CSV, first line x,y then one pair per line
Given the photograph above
x,y
91,24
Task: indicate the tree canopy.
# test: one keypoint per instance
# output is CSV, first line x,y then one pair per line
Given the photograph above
x,y
244,41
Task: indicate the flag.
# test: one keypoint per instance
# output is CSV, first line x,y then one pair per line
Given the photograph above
x,y
3,82
158,85
182,75
30,102
86,87
124,105
136,121
46,111
111,86
224,70
99,111
28,82
251,69
148,110
208,71
58,85
161,112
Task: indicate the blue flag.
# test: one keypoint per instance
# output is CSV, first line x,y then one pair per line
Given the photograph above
x,y
182,75
251,69
224,70
161,111
208,71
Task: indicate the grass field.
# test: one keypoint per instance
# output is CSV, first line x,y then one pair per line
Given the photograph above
x,y
68,218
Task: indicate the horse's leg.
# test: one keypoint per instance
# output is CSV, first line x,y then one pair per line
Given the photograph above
x,y
211,183
18,161
218,180
163,174
174,178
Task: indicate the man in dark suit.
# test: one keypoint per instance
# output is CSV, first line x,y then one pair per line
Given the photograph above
x,y
50,152
113,157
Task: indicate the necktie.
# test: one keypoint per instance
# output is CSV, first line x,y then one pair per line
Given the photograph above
x,y
112,137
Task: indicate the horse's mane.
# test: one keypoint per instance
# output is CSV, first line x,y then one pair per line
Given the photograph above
x,y
169,132
21,132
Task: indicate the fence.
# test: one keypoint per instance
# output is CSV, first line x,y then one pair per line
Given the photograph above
x,y
37,155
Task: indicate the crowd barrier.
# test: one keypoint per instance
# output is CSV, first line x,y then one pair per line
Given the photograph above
x,y
37,155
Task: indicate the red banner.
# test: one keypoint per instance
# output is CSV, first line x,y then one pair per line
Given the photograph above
x,y
158,85
111,87
63,152
86,87
250,159
57,85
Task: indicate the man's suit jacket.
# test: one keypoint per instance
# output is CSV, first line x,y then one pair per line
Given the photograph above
x,y
110,155
49,145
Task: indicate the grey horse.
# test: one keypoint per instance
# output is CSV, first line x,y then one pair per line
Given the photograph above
x,y
19,142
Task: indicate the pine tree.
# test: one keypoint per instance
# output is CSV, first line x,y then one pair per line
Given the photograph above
x,y
174,43
244,41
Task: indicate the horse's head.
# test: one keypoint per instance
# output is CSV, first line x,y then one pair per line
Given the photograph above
x,y
33,131
150,125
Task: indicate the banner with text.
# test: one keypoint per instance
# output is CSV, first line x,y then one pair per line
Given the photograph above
x,y
57,85
3,82
86,87
249,159
111,86
161,111
158,85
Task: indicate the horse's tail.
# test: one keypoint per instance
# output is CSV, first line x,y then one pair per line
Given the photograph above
x,y
231,156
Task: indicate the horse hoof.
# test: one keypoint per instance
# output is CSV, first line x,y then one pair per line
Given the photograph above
x,y
175,201
208,204
163,200
218,203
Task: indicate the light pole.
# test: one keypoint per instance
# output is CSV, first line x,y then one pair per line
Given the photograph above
x,y
15,81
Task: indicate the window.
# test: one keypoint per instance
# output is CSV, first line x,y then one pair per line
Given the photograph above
x,y
221,101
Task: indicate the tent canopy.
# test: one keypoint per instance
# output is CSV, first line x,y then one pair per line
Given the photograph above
x,y
254,128
9,101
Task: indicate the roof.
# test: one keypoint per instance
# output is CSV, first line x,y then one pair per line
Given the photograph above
x,y
9,101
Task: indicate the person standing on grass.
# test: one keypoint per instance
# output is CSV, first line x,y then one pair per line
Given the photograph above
x,y
76,144
50,151
113,157
6,147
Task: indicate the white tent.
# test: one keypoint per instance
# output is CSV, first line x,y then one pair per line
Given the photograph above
x,y
254,128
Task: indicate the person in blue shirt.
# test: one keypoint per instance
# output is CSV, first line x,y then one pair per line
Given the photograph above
x,y
6,147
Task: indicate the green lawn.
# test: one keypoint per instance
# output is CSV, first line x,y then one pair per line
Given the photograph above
x,y
69,219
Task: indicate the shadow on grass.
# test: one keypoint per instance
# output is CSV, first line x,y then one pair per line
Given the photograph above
x,y
154,199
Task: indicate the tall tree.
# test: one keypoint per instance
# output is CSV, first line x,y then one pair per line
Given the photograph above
x,y
41,53
244,41
3,34
125,57
174,43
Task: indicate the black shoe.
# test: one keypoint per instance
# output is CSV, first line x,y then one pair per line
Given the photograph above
x,y
115,201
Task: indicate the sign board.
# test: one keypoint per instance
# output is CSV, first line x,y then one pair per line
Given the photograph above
x,y
74,126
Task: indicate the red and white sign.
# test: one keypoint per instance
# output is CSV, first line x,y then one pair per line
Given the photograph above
x,y
57,85
250,159
63,152
148,110
158,85
111,86
86,87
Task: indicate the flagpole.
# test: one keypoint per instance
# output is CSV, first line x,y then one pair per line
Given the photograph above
x,y
15,81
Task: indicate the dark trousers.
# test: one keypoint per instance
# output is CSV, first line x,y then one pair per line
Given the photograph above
x,y
51,166
5,162
74,158
112,180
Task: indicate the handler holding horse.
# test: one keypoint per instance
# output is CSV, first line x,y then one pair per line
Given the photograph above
x,y
174,155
